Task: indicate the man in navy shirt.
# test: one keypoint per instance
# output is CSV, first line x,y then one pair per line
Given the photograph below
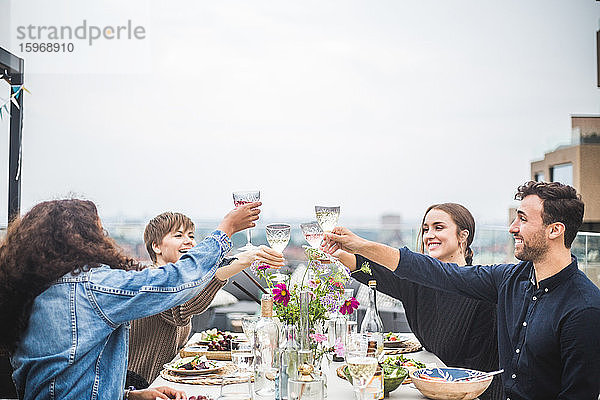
x,y
548,310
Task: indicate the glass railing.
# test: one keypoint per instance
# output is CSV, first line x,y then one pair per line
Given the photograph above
x,y
492,244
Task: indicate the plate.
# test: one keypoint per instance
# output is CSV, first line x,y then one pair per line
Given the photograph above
x,y
171,367
403,341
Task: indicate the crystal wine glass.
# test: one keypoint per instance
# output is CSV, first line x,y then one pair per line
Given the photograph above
x,y
248,326
278,236
361,366
327,217
312,233
242,355
239,199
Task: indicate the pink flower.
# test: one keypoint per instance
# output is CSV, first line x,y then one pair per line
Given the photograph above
x,y
313,284
338,285
349,306
281,294
259,266
318,337
338,347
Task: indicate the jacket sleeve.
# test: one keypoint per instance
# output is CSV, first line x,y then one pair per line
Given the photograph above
x,y
119,296
580,352
476,281
387,281
181,315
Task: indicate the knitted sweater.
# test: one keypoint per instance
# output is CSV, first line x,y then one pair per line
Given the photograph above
x,y
459,330
155,340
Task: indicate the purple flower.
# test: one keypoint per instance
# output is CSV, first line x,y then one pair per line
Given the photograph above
x,y
349,306
318,337
338,347
281,294
330,302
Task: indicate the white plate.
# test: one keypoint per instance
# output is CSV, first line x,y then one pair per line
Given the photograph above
x,y
171,367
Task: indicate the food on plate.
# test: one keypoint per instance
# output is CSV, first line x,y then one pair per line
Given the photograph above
x,y
393,337
199,397
197,363
401,361
216,340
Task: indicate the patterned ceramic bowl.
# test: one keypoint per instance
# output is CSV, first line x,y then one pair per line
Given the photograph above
x,y
438,383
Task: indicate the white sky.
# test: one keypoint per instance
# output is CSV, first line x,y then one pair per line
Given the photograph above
x,y
379,106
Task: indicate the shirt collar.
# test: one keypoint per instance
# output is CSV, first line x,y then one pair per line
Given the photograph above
x,y
556,279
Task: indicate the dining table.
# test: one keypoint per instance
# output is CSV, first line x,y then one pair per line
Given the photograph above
x,y
337,388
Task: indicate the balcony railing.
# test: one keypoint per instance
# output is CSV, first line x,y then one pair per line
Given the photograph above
x,y
492,244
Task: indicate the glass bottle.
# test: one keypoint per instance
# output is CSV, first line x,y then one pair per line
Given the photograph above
x,y
266,353
372,331
289,359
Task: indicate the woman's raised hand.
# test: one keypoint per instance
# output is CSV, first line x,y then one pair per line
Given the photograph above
x,y
263,255
341,238
240,218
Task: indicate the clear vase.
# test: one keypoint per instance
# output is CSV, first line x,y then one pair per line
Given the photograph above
x,y
289,358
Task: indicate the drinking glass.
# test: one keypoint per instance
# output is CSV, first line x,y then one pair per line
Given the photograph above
x,y
242,356
239,199
312,233
327,217
248,326
278,236
231,389
361,366
352,323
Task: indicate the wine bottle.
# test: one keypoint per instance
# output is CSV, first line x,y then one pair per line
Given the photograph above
x,y
266,353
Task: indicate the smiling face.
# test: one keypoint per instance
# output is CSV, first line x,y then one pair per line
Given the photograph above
x,y
441,238
529,230
174,245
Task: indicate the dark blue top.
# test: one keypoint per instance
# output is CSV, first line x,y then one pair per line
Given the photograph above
x,y
548,335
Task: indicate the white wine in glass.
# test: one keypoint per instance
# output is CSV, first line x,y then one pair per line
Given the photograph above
x,y
312,233
327,217
361,367
278,236
239,199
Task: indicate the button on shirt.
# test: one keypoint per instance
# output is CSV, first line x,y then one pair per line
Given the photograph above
x,y
548,332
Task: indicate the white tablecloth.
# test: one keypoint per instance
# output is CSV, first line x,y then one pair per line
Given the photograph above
x,y
337,388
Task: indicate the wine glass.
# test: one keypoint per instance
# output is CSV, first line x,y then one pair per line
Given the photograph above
x,y
278,236
361,366
242,355
312,233
239,199
327,217
248,326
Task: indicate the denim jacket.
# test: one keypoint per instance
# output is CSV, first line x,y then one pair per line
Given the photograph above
x,y
75,345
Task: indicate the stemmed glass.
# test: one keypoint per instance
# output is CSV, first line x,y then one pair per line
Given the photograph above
x,y
361,366
248,326
312,233
327,217
278,236
239,199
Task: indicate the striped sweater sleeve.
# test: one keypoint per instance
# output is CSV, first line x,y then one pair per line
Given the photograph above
x,y
182,314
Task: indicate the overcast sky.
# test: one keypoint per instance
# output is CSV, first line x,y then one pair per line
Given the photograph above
x,y
378,106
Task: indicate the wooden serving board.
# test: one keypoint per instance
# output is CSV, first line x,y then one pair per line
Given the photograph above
x,y
211,355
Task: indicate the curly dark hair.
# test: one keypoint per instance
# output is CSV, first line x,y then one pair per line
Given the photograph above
x,y
561,203
51,240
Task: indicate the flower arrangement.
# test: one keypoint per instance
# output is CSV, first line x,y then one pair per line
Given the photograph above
x,y
325,277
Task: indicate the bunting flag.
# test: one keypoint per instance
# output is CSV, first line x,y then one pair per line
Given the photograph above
x,y
16,92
